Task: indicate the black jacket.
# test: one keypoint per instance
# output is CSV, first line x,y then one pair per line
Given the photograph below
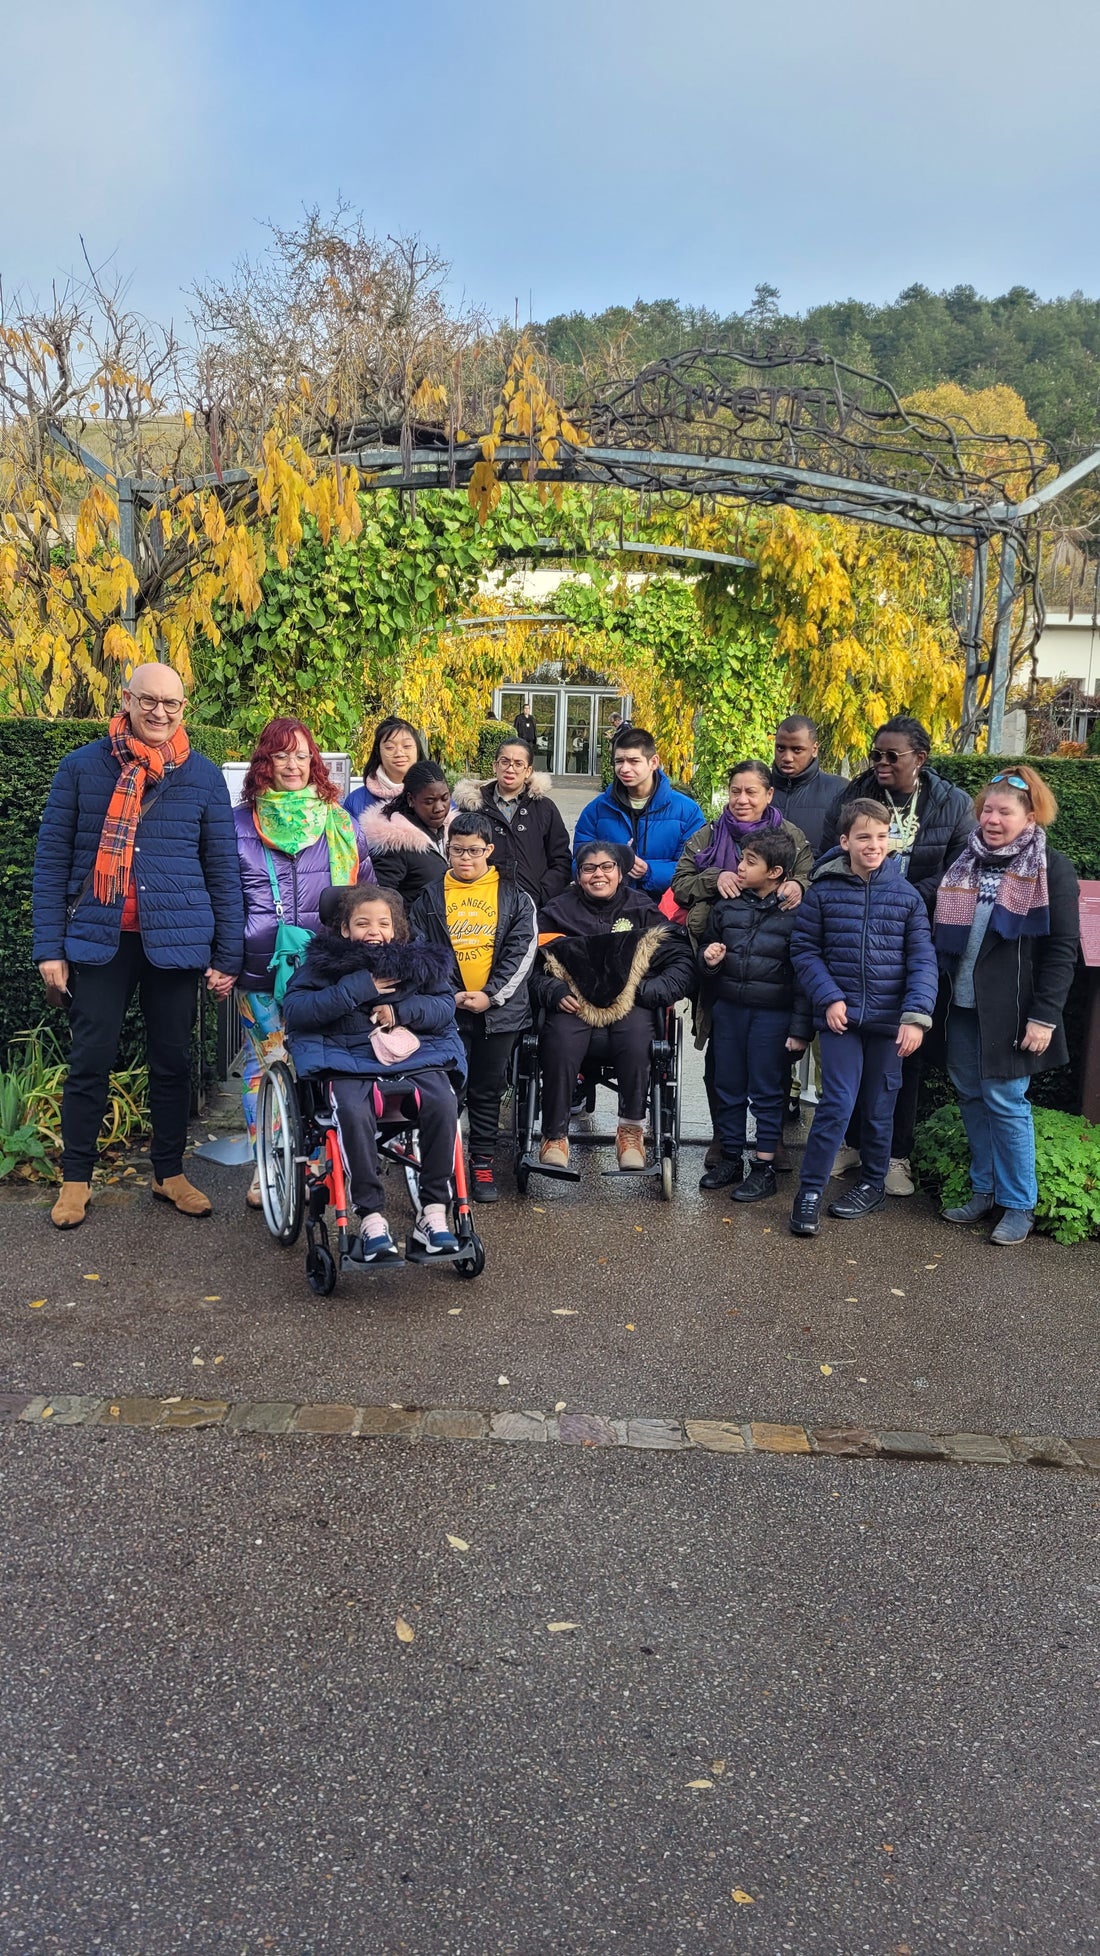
x,y
514,950
406,857
1022,978
946,816
805,799
656,958
533,848
757,971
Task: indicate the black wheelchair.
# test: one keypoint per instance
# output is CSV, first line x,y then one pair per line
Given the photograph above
x,y
665,1099
303,1174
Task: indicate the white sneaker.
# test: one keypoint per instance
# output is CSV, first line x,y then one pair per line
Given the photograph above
x,y
899,1180
846,1160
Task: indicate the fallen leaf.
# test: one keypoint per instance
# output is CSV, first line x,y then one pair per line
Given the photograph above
x,y
851,1259
220,1359
563,1626
630,1327
699,1785
741,1895
768,1230
860,1380
638,1230
560,1407
728,1219
930,1266
404,1631
91,1277
455,1311
457,1542
114,1411
851,1300
198,1361
560,1312
827,1369
216,1299
504,1379
894,1292
47,1412
601,1259
36,1303
887,1847
538,1211
717,1767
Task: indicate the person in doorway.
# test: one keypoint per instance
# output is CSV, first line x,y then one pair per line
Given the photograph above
x,y
397,746
930,823
136,889
530,839
641,812
489,926
407,837
1007,929
804,793
862,954
524,724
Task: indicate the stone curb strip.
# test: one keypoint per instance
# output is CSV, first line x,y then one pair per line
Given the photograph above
x,y
284,1416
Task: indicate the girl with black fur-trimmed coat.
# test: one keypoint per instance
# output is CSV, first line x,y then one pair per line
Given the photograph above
x,y
609,958
530,839
368,1004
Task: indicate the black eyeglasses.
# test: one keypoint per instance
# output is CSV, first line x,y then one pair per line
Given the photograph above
x,y
891,754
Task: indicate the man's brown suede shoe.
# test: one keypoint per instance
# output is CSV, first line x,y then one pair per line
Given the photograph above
x,y
189,1200
69,1210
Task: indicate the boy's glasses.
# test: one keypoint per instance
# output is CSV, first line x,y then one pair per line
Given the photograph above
x,y
467,855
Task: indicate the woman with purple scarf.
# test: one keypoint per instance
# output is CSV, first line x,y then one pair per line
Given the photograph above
x,y
707,870
1006,931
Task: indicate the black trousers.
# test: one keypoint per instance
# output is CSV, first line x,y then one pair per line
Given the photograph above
x,y
563,1043
101,994
357,1124
487,1057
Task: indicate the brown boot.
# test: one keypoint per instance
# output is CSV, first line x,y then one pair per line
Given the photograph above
x,y
177,1190
630,1147
71,1207
555,1153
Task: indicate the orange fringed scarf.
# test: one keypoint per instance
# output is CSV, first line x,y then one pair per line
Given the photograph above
x,y
140,765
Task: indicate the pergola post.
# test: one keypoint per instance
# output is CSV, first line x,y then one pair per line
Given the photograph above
x,y
973,645
1000,664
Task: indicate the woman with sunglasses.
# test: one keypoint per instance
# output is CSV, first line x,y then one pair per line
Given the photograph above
x,y
930,823
1006,933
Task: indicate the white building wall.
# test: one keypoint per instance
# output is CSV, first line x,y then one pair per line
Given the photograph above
x,y
1070,649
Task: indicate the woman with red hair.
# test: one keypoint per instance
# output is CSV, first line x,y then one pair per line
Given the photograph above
x,y
293,841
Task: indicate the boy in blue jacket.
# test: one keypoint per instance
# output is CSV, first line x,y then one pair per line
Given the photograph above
x,y
642,810
368,1004
862,953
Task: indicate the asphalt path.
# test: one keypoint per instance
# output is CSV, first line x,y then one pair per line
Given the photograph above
x,y
214,1741
703,1307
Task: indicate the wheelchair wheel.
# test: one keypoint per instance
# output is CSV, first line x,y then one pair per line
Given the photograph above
x,y
523,1176
469,1267
668,1177
321,1272
279,1150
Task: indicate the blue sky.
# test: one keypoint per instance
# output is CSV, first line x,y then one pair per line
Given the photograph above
x,y
582,153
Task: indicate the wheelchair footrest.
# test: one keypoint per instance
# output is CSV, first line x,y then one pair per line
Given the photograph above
x,y
536,1167
415,1253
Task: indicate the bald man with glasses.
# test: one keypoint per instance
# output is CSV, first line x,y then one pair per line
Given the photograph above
x,y
136,890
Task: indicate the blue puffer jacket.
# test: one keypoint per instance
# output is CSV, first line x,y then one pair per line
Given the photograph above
x,y
657,833
329,999
302,879
185,867
867,943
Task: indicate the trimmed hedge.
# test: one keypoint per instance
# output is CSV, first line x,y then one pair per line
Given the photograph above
x,y
30,753
1075,782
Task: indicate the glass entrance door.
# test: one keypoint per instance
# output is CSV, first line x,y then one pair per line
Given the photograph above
x,y
544,708
579,717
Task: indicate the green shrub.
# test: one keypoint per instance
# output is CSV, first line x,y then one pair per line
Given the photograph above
x,y
488,740
30,1105
1076,784
30,753
1067,1164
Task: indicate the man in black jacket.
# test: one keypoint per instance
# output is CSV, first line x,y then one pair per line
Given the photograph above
x,y
804,793
489,925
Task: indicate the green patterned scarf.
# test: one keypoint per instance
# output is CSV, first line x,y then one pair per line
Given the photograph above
x,y
293,819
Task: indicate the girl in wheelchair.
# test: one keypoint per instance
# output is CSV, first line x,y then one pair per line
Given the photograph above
x,y
368,1004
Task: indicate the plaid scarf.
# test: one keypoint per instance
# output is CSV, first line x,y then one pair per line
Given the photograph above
x,y
140,764
1022,906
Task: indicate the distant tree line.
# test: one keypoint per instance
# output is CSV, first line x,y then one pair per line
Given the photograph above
x,y
1047,349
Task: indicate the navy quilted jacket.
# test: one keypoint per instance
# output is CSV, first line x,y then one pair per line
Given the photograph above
x,y
185,866
867,943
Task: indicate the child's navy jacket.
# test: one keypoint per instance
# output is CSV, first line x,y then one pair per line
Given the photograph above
x,y
757,971
329,999
867,943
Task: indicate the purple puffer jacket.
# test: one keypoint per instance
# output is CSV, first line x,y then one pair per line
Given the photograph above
x,y
301,881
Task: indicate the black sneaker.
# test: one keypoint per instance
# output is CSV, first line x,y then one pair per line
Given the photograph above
x,y
860,1201
727,1170
482,1186
806,1214
759,1183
